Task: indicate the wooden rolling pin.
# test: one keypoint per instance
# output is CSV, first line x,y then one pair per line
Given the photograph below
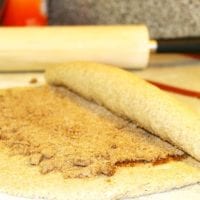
x,y
128,46
34,48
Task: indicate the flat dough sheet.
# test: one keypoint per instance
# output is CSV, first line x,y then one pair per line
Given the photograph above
x,y
132,180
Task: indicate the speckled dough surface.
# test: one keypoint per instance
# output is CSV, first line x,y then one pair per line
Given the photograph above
x,y
18,177
130,96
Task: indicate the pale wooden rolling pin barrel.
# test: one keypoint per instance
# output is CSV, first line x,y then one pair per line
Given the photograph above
x,y
127,46
35,48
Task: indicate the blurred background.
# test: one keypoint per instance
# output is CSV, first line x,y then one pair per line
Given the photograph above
x,y
171,25
164,18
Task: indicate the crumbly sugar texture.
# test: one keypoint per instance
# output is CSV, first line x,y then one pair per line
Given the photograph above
x,y
58,131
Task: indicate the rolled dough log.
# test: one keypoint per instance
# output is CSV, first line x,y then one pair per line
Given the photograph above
x,y
130,96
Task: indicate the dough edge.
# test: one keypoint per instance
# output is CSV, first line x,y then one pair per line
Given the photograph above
x,y
18,178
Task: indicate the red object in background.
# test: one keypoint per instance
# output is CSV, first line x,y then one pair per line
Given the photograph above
x,y
2,8
196,56
174,89
25,13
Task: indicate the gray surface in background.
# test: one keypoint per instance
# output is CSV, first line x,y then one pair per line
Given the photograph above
x,y
165,18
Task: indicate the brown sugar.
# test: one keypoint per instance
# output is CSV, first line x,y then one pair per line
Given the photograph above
x,y
60,131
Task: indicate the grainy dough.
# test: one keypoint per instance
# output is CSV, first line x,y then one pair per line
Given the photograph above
x,y
18,178
20,174
130,96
